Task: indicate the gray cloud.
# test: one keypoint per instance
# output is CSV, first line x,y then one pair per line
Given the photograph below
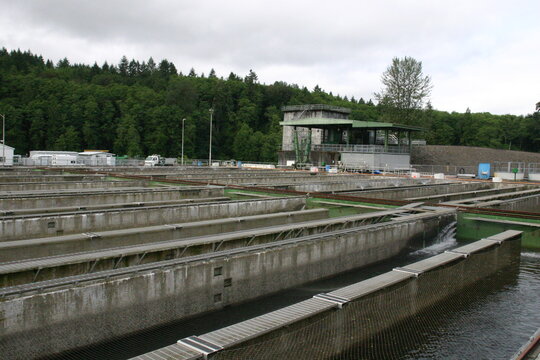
x,y
471,49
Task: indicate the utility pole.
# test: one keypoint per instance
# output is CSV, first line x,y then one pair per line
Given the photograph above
x,y
183,141
3,139
210,145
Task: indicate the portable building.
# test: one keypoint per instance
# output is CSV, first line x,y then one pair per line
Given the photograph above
x,y
6,155
97,158
54,158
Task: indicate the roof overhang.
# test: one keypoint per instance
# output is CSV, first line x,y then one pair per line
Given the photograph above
x,y
323,123
315,107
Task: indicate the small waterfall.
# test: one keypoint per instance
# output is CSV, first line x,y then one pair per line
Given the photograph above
x,y
444,240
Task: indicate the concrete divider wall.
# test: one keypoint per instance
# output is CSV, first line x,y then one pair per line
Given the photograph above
x,y
33,270
403,193
494,200
243,176
298,181
27,177
264,180
376,311
58,245
467,194
70,185
360,184
144,195
54,225
79,315
527,203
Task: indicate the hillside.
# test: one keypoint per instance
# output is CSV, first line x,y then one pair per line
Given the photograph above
x,y
136,108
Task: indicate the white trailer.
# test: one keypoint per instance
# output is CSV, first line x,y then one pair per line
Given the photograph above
x,y
54,158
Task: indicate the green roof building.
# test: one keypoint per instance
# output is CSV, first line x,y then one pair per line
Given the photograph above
x,y
317,134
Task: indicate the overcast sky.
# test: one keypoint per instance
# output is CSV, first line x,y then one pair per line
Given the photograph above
x,y
481,54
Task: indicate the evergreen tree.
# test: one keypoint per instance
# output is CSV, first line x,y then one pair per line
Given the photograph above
x,y
243,146
123,66
68,141
136,108
128,139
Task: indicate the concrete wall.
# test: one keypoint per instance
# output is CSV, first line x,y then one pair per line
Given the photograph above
x,y
74,199
30,227
276,176
51,185
330,186
294,178
77,243
498,190
427,190
368,316
59,319
528,203
35,270
26,177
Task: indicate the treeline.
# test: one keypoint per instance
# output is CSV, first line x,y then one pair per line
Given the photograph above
x,y
136,109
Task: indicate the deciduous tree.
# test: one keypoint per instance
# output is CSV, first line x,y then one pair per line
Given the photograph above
x,y
405,89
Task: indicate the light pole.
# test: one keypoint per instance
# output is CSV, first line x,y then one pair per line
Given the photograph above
x,y
210,145
3,139
183,141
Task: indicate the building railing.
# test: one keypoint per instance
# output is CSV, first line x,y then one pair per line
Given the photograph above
x,y
366,149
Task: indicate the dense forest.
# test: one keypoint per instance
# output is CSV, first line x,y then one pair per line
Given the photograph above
x,y
136,109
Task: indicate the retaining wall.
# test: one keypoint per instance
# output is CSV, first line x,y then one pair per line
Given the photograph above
x,y
467,155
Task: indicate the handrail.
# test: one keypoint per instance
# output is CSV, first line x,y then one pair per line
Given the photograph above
x,y
369,149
